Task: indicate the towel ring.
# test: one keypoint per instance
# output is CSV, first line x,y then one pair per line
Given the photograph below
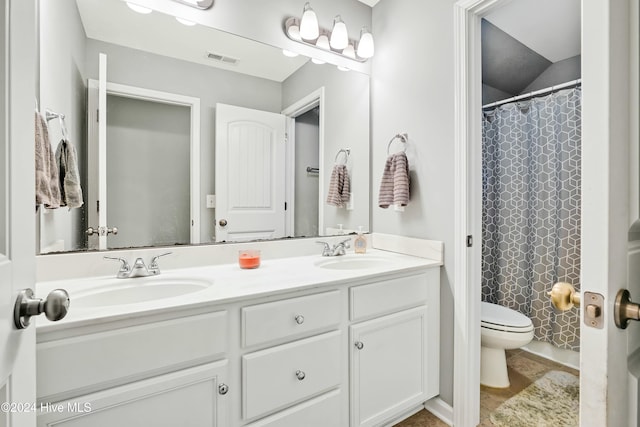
x,y
403,137
346,151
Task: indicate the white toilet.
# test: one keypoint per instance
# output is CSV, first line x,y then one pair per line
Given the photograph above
x,y
501,329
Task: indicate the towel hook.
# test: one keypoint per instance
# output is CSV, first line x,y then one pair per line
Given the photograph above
x,y
346,151
403,137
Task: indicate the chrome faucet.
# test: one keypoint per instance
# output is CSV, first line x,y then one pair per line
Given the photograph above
x,y
337,250
139,268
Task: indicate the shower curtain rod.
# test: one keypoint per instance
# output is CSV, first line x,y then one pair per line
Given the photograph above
x,y
534,93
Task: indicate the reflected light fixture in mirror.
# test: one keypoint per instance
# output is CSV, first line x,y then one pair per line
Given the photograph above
x,y
139,9
185,22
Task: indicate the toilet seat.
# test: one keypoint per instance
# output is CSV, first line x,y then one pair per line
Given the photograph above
x,y
497,317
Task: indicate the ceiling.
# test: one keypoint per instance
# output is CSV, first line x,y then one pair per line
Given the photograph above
x,y
113,22
369,2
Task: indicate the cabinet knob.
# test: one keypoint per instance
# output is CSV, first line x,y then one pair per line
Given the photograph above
x,y
299,319
359,345
300,375
223,389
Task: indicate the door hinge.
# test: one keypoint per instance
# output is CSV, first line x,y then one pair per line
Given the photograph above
x,y
97,205
469,241
98,116
286,137
285,206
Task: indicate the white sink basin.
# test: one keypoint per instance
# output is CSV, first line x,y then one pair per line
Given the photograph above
x,y
353,262
131,291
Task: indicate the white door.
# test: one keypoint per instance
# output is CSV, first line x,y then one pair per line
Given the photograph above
x,y
250,174
17,201
606,125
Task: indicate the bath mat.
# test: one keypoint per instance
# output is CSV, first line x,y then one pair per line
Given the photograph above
x,y
551,401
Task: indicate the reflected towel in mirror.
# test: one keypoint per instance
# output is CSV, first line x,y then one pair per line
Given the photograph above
x,y
339,187
47,187
70,190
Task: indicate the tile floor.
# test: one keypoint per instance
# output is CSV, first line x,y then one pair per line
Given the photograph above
x,y
524,368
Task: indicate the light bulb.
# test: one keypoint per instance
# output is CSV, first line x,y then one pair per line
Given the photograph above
x,y
318,61
294,32
139,9
365,45
339,36
309,29
185,22
349,51
288,53
323,42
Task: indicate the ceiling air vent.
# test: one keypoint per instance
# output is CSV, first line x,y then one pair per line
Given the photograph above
x,y
222,58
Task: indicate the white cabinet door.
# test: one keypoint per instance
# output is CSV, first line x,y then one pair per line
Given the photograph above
x,y
388,366
250,174
190,398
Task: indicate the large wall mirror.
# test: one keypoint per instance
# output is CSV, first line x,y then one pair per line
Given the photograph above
x,y
171,101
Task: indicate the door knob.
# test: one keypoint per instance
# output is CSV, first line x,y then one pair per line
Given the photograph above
x,y
222,223
564,296
625,310
55,306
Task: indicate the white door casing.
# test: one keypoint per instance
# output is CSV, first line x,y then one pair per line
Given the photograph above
x,y
17,236
605,208
250,174
97,126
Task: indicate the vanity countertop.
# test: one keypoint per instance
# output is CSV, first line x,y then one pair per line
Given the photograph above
x,y
229,284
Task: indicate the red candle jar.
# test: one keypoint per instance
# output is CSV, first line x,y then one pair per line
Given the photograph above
x,y
249,258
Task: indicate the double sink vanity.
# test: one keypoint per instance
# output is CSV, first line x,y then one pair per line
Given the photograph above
x,y
303,340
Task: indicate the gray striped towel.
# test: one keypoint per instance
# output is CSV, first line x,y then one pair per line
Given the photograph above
x,y
70,190
394,186
47,188
339,187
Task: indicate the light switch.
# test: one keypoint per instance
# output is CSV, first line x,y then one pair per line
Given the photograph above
x,y
211,201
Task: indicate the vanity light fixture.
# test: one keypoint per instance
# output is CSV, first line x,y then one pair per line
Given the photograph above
x,y
139,9
339,39
306,31
309,29
198,4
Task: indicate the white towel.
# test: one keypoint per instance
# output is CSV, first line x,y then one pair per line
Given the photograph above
x,y
394,186
339,187
47,186
70,190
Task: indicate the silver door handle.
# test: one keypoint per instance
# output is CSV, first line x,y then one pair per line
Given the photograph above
x,y
55,306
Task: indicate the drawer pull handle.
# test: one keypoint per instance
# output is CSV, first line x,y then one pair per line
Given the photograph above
x,y
223,389
299,319
359,345
300,375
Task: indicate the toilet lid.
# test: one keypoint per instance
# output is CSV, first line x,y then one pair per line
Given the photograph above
x,y
492,315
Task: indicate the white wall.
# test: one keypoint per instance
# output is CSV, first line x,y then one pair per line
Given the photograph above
x,y
413,91
346,126
62,89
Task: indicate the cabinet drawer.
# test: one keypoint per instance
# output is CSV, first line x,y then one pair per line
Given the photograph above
x,y
78,365
392,295
282,375
290,318
323,411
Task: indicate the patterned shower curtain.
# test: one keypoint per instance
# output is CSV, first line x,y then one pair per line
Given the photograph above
x,y
531,209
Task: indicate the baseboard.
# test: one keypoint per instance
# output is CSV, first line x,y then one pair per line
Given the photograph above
x,y
440,409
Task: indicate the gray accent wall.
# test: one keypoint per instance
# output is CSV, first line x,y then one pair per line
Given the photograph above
x,y
559,72
412,91
306,183
136,68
